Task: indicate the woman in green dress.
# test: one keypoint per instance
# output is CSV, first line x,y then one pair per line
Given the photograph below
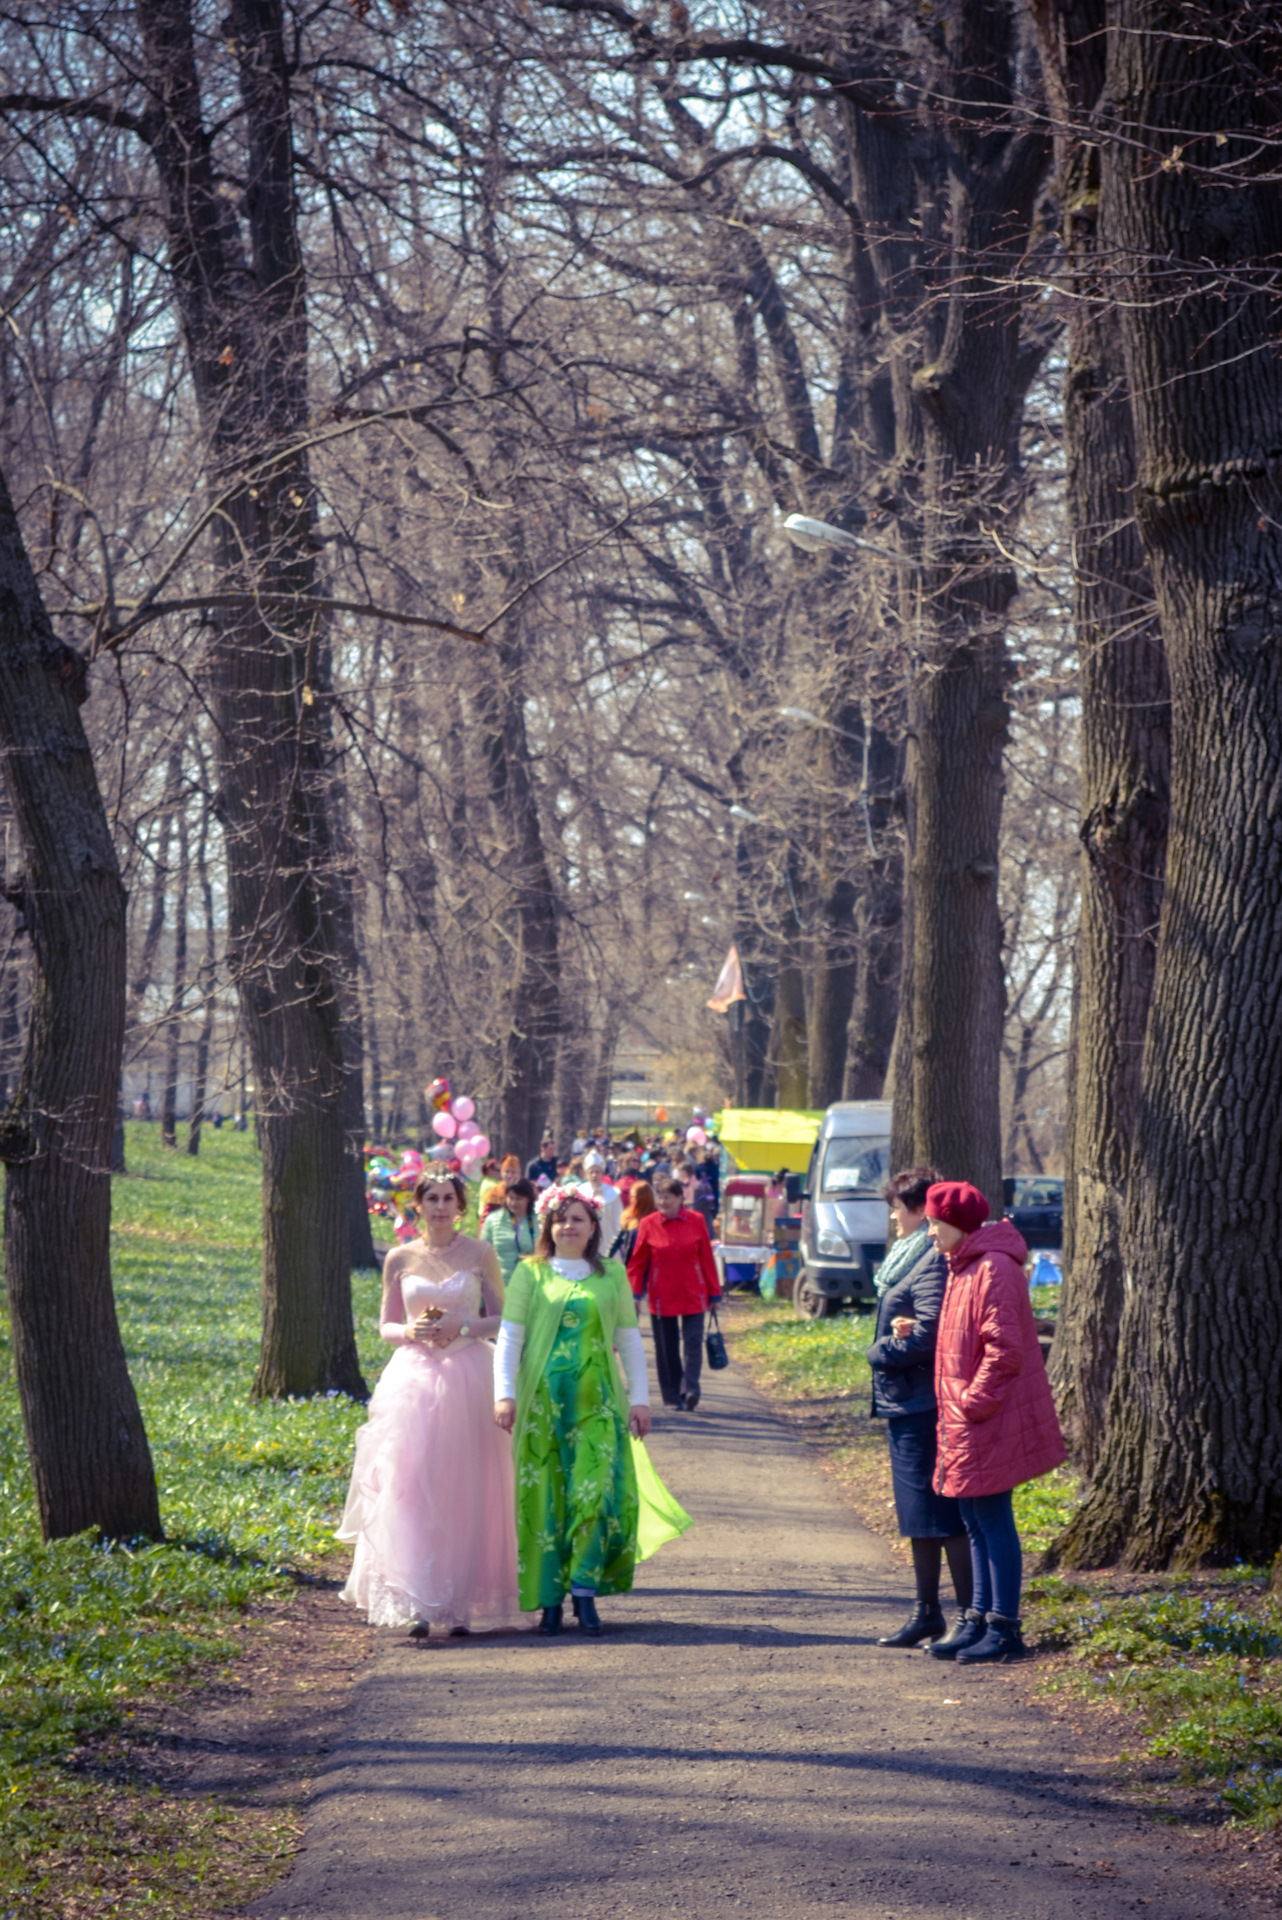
x,y
589,1504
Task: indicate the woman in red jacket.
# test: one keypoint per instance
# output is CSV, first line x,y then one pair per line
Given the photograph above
x,y
997,1421
672,1258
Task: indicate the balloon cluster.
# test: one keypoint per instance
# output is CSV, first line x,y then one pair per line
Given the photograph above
x,y
389,1188
461,1144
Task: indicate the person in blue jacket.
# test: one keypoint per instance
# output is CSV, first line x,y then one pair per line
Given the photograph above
x,y
910,1282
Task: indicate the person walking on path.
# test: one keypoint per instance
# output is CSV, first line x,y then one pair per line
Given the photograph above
x,y
510,1228
543,1165
672,1260
589,1504
997,1421
430,1504
640,1206
608,1195
910,1282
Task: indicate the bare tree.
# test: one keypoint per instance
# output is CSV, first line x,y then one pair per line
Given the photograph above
x,y
89,1454
1190,217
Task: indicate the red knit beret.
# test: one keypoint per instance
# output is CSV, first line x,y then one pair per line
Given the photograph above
x,y
957,1203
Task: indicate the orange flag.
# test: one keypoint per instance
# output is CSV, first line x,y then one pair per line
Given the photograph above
x,y
729,987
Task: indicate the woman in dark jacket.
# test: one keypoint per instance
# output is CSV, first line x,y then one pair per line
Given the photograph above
x,y
911,1282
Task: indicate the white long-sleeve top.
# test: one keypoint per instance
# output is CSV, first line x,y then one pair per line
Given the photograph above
x,y
627,1340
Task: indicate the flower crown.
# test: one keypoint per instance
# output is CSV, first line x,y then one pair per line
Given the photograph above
x,y
560,1194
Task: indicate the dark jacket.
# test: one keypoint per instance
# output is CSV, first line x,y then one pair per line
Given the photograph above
x,y
903,1371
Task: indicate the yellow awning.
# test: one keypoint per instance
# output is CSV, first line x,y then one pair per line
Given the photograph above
x,y
763,1139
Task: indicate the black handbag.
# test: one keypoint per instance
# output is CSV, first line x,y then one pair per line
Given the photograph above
x,y
716,1346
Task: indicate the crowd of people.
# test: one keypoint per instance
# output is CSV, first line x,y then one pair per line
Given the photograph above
x,y
502,1469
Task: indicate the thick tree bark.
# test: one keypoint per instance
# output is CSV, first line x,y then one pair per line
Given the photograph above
x,y
246,331
1125,753
1188,1474
89,1455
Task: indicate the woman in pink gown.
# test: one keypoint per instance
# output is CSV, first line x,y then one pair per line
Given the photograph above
x,y
431,1505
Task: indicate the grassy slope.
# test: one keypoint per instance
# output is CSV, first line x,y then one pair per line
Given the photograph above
x,y
249,1497
1191,1665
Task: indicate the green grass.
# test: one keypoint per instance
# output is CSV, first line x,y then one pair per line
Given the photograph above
x,y
1198,1664
249,1493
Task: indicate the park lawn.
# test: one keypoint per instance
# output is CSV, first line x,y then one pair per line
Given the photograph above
x,y
249,1497
1188,1666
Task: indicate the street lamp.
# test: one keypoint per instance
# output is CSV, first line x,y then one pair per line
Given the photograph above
x,y
812,536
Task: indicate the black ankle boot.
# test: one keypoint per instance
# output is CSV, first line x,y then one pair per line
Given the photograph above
x,y
966,1629
923,1623
586,1614
551,1621
1002,1641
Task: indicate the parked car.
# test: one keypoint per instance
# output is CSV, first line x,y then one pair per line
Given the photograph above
x,y
1035,1208
843,1215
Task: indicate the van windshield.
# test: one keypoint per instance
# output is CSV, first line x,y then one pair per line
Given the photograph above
x,y
855,1166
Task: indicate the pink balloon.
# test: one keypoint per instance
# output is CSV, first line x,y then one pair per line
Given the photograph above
x,y
478,1145
468,1130
412,1158
696,1137
444,1125
462,1108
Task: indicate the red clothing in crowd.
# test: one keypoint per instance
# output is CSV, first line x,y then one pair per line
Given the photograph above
x,y
673,1258
997,1424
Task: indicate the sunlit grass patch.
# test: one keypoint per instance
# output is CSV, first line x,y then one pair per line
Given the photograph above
x,y
249,1494
808,1359
1199,1663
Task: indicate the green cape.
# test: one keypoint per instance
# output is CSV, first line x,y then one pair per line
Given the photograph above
x,y
535,1299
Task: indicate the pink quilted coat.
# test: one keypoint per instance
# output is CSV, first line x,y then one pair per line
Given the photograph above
x,y
997,1421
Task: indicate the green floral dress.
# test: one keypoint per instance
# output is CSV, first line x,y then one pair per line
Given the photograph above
x,y
577,1504
589,1504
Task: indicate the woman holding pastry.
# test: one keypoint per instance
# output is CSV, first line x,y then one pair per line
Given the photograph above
x,y
430,1508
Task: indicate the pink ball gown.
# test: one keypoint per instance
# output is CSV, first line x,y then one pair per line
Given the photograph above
x,y
431,1505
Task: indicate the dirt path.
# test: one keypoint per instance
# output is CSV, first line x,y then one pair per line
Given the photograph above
x,y
737,1744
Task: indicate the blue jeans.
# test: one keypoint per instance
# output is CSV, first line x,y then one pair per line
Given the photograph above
x,y
995,1555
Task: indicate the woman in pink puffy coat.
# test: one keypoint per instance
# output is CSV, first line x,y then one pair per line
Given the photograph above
x,y
997,1421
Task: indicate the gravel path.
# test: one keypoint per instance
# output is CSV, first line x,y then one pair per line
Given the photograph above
x,y
736,1744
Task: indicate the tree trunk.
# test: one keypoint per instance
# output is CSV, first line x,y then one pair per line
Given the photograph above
x,y
1188,1473
173,1036
209,976
246,330
957,966
832,999
875,1017
534,1017
1125,755
89,1455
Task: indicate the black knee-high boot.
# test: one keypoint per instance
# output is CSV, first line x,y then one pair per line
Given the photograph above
x,y
925,1622
968,1627
960,1568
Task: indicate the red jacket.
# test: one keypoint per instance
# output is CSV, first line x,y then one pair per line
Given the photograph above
x,y
674,1259
997,1420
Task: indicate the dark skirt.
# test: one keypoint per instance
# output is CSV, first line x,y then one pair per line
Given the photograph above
x,y
922,1513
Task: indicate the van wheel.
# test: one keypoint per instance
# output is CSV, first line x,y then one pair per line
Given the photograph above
x,y
810,1304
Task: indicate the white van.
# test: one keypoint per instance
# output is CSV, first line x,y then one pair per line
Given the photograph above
x,y
843,1216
